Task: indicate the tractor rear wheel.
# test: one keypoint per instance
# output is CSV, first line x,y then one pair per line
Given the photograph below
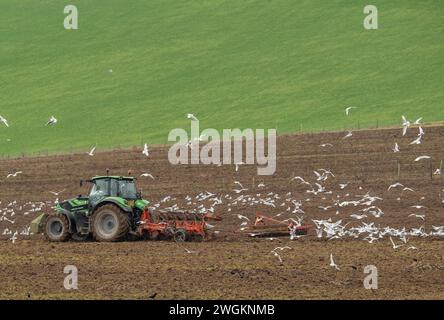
x,y
57,228
110,224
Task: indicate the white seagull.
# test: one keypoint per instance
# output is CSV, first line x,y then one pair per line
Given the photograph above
x,y
91,152
348,135
347,110
394,245
242,217
417,140
332,262
405,125
56,193
145,150
422,158
5,122
51,121
145,174
396,147
237,165
419,216
418,121
14,174
397,184
192,117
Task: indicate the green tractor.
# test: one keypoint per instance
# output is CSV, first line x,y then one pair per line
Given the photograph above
x,y
110,213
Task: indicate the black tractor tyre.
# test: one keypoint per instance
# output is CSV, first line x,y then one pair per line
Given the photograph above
x,y
110,224
57,228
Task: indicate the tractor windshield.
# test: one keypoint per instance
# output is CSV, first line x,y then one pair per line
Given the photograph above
x,y
124,188
99,188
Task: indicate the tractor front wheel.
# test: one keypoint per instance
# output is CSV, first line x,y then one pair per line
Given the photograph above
x,y
57,228
110,224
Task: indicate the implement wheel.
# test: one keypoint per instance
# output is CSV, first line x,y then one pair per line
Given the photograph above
x,y
180,235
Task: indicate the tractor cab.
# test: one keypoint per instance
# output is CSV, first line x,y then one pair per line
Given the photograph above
x,y
112,186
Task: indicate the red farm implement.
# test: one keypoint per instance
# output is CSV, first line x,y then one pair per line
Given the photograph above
x,y
266,226
181,225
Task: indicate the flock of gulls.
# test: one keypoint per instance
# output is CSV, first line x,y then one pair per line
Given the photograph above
x,y
289,206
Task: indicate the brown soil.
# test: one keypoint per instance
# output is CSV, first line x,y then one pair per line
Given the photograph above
x,y
234,265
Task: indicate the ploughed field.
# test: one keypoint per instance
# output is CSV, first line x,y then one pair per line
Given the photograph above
x,y
356,219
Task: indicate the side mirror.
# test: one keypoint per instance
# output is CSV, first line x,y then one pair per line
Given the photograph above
x,y
139,194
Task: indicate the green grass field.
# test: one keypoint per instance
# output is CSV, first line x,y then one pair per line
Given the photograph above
x,y
234,64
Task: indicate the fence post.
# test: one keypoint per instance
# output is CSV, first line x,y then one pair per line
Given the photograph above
x,y
399,169
431,170
440,168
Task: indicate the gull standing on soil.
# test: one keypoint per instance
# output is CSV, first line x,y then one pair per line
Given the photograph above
x,y
192,117
5,122
145,150
326,145
332,262
396,147
14,237
51,121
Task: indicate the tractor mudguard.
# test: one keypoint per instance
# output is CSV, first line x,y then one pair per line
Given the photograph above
x,y
141,204
120,202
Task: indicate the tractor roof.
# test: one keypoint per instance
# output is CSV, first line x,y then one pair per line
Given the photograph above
x,y
113,177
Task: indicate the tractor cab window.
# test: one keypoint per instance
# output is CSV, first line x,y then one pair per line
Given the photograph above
x,y
127,189
99,188
123,188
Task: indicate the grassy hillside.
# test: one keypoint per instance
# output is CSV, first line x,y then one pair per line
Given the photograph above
x,y
250,63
